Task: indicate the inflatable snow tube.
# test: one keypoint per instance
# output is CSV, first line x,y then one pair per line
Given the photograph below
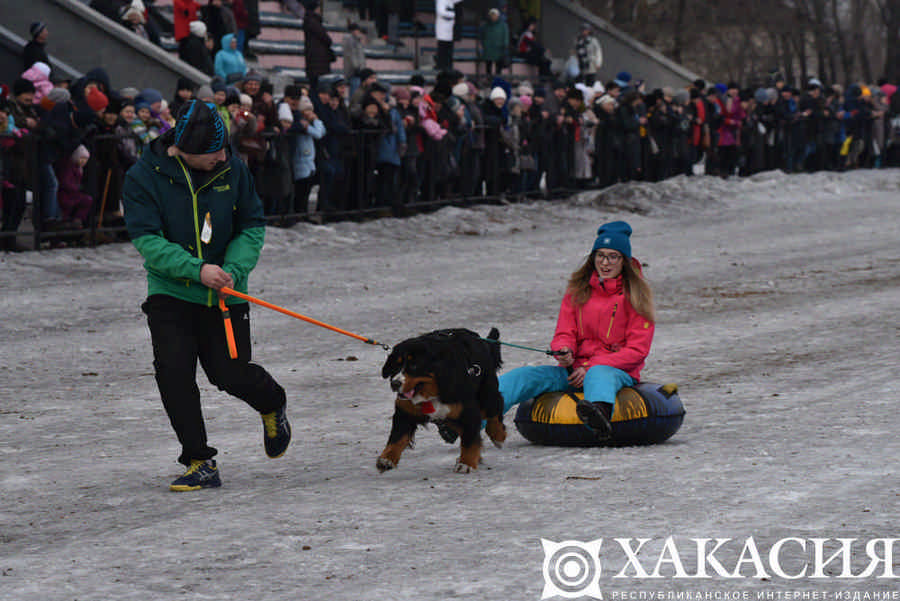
x,y
645,413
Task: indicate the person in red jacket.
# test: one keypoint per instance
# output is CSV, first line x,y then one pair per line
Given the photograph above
x,y
183,12
603,333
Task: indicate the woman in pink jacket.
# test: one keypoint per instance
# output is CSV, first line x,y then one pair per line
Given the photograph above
x,y
603,333
730,130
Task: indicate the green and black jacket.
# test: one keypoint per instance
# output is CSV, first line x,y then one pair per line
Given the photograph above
x,y
166,206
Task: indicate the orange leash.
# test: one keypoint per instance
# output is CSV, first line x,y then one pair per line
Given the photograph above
x,y
229,331
301,317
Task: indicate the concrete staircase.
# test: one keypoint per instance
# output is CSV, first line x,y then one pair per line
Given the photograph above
x,y
280,45
83,39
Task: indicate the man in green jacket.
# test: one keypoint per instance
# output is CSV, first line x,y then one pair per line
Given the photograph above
x,y
193,214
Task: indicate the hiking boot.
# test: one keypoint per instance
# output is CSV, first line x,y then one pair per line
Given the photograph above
x,y
276,432
595,418
202,473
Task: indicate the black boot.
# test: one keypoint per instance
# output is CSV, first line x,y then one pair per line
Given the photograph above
x,y
596,418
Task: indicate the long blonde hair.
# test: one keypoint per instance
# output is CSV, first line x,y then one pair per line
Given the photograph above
x,y
637,288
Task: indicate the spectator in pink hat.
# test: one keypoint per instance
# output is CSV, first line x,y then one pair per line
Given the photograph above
x,y
39,75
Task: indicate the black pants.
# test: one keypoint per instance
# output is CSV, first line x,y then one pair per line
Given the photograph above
x,y
381,17
495,66
313,79
326,171
386,186
13,201
470,171
444,61
535,56
184,332
728,158
366,9
409,184
302,188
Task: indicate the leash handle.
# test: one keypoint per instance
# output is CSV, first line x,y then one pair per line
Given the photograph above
x,y
229,331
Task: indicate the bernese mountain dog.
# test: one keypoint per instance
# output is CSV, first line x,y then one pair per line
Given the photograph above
x,y
449,377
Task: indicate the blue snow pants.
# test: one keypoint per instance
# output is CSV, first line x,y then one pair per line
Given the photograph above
x,y
601,383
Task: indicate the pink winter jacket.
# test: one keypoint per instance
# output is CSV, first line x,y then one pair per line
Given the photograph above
x,y
39,75
730,131
429,120
606,330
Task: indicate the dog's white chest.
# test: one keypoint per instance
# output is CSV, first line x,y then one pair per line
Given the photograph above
x,y
441,411
431,408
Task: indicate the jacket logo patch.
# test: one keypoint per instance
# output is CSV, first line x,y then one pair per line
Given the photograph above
x,y
222,188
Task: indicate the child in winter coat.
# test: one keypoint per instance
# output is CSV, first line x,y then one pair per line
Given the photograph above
x,y
145,126
131,125
389,157
39,75
74,204
409,179
305,130
165,115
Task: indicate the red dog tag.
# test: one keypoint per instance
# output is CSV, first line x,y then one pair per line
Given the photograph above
x,y
427,407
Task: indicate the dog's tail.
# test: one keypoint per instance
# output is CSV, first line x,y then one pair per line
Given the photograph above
x,y
494,334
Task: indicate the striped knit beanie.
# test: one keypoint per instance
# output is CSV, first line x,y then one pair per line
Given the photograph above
x,y
199,129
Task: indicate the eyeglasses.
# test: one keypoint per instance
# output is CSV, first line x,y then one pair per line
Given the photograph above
x,y
602,258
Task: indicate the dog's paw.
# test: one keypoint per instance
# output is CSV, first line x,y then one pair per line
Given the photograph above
x,y
384,464
462,468
496,431
498,437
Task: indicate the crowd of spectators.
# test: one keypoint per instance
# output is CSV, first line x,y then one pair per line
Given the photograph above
x,y
131,14
198,29
370,147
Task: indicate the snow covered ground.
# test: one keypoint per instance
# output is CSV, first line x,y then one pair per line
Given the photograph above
x,y
778,302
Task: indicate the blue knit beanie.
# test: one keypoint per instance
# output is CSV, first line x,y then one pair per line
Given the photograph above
x,y
616,236
150,95
623,78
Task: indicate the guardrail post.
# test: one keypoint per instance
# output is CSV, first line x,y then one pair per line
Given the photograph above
x,y
37,196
